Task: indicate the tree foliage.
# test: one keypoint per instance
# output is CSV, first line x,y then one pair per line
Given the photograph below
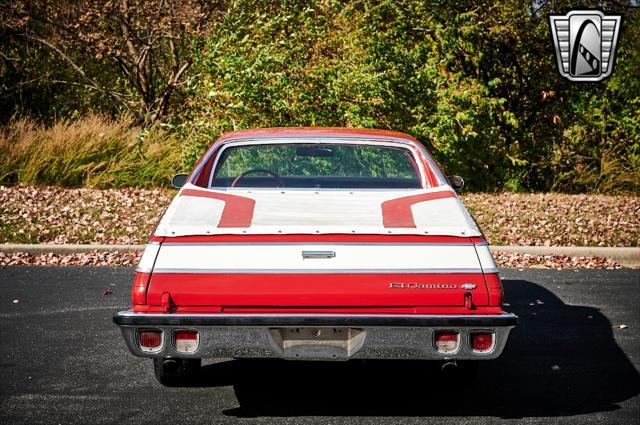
x,y
476,82
146,45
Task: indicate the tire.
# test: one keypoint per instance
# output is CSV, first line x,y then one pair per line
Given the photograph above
x,y
176,372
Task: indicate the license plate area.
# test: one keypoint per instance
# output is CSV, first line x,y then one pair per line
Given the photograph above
x,y
317,343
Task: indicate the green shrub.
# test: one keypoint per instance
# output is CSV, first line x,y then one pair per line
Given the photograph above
x,y
475,82
477,85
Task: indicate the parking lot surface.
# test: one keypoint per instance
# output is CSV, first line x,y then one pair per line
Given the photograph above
x,y
574,358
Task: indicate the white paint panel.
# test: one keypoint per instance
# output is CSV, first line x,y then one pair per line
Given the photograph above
x,y
148,257
438,213
320,208
196,211
309,211
486,259
247,257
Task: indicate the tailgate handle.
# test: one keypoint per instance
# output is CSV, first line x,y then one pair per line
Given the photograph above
x,y
318,254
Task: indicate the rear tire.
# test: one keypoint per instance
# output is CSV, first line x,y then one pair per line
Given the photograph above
x,y
176,372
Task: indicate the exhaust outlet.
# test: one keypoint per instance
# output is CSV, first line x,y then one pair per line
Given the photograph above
x,y
449,367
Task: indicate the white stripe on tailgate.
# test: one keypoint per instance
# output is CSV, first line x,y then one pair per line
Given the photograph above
x,y
487,262
288,259
148,257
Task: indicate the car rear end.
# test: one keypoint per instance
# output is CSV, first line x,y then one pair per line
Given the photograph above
x,y
316,244
317,298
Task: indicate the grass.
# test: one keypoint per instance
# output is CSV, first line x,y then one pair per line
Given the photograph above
x,y
92,151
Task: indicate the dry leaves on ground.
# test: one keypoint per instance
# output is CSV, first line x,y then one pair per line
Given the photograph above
x,y
87,216
93,258
128,216
557,219
508,260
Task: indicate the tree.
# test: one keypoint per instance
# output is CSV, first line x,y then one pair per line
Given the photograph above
x,y
146,45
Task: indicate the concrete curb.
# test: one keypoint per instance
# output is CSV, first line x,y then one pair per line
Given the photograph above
x,y
35,249
628,257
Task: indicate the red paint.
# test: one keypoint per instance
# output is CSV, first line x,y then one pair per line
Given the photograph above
x,y
237,212
312,290
303,238
397,212
322,310
494,289
316,132
202,179
314,293
139,289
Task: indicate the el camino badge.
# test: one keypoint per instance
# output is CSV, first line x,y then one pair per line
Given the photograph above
x,y
397,285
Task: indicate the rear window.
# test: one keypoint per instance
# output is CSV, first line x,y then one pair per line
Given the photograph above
x,y
336,166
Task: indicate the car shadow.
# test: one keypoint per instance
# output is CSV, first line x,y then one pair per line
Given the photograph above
x,y
560,360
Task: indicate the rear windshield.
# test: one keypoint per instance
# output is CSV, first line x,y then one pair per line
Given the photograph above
x,y
337,166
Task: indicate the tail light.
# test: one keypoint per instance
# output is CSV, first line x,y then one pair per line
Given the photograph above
x,y
143,273
446,342
186,341
150,341
139,289
482,342
494,286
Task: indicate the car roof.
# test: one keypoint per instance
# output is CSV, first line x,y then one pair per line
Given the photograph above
x,y
309,132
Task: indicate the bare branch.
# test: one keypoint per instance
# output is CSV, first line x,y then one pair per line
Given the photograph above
x,y
70,61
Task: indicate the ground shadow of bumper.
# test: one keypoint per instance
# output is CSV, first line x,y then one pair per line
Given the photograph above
x,y
561,360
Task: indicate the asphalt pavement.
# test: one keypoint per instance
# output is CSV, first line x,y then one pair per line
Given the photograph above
x,y
62,360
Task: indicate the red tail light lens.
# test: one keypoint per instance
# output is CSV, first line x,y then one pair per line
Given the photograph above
x,y
186,341
446,342
150,340
482,342
139,289
495,289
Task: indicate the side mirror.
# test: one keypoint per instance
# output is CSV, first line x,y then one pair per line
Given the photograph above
x,y
456,182
179,180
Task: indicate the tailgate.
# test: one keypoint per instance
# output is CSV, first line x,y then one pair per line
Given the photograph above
x,y
317,275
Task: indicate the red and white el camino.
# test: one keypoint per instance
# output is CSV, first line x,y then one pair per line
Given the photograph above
x,y
315,244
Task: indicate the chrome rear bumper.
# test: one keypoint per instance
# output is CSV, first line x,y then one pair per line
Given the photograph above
x,y
316,336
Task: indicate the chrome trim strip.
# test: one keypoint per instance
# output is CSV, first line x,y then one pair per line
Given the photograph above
x,y
491,270
314,271
326,136
318,254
